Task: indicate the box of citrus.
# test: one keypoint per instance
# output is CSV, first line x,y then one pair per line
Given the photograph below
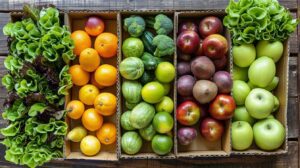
x,y
92,113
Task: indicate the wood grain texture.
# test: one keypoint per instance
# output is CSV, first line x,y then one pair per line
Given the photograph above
x,y
130,4
285,161
4,18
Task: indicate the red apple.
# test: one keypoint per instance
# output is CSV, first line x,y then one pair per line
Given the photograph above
x,y
94,26
200,52
221,63
223,80
188,42
211,129
210,25
188,25
215,46
188,113
222,108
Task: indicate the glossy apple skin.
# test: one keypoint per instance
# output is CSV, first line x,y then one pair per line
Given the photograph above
x,y
269,134
260,103
94,24
215,46
241,114
186,135
262,71
243,55
240,91
241,135
270,49
188,25
223,81
210,25
240,73
188,42
211,129
188,113
222,108
221,63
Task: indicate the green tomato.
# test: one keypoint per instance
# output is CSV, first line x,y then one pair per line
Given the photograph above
x,y
153,92
166,105
165,72
133,47
162,144
163,122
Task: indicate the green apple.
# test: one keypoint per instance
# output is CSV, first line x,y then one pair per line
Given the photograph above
x,y
240,91
271,86
241,114
166,105
251,85
240,73
276,104
262,71
270,49
241,135
259,103
269,134
243,55
271,116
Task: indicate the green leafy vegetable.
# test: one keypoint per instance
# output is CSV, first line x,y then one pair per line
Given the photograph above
x,y
15,112
252,20
37,82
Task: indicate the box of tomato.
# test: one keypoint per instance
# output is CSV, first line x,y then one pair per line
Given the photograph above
x,y
92,105
147,75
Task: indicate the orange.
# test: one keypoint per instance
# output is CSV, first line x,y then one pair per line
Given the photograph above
x,y
75,109
90,145
107,134
89,59
91,119
106,75
106,44
79,76
81,41
88,93
94,26
94,82
106,103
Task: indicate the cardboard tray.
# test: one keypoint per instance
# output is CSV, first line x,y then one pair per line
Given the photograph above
x,y
201,147
76,21
146,151
282,71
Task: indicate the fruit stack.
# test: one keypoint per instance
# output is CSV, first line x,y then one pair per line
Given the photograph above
x,y
147,72
203,85
257,54
96,82
254,80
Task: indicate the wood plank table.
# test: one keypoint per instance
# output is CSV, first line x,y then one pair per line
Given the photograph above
x,y
290,160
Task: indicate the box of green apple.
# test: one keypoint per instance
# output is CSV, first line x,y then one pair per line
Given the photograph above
x,y
260,52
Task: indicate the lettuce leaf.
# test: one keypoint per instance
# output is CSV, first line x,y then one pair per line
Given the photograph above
x,y
268,18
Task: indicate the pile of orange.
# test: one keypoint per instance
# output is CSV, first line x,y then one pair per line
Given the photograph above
x,y
92,76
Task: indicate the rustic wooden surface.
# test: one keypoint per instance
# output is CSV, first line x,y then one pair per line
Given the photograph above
x,y
290,160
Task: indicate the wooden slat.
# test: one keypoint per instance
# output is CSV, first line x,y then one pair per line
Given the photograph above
x,y
4,18
289,160
131,4
292,118
293,83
